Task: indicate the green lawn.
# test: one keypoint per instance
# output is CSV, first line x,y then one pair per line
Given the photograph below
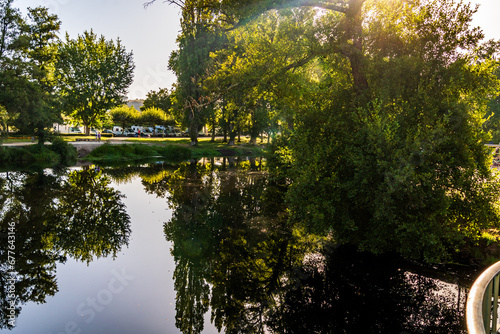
x,y
205,146
16,140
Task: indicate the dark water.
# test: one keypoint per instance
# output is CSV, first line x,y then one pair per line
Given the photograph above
x,y
199,247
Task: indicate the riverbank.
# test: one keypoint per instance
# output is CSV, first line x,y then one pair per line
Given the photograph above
x,y
19,153
169,150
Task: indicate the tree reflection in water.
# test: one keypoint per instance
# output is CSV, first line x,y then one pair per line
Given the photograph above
x,y
56,215
236,254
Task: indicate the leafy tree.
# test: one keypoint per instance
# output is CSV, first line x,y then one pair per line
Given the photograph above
x,y
94,75
93,221
27,57
409,171
40,32
154,116
160,99
9,29
200,36
124,115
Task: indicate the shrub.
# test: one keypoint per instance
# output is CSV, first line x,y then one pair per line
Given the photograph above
x,y
67,152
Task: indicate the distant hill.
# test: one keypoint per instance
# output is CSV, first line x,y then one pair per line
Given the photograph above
x,y
137,104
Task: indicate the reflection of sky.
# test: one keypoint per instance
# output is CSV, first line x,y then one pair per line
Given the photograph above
x,y
145,305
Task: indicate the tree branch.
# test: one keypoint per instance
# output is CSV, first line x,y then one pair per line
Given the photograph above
x,y
178,3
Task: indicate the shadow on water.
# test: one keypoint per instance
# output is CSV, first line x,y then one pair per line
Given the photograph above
x,y
54,216
236,255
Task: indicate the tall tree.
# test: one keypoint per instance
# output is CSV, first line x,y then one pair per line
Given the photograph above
x,y
200,36
27,55
408,172
94,75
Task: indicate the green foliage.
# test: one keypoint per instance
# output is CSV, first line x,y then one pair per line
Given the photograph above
x,y
58,153
29,155
27,56
92,220
408,172
387,100
155,116
160,99
67,152
94,75
200,36
4,116
124,116
56,215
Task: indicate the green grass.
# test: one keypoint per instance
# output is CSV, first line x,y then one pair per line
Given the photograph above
x,y
16,140
109,152
170,149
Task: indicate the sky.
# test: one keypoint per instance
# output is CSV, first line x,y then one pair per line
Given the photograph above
x,y
151,32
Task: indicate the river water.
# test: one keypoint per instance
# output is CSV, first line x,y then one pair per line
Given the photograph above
x,y
198,247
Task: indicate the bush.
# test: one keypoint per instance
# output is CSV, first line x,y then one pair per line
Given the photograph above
x,y
59,152
67,152
28,155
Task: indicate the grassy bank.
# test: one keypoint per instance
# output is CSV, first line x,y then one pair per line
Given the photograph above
x,y
58,153
169,150
113,153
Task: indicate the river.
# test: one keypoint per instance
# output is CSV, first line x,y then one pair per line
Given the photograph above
x,y
197,247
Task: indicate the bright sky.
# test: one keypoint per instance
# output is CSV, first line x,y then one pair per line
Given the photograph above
x,y
150,33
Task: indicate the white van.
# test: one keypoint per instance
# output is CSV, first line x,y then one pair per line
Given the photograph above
x,y
117,130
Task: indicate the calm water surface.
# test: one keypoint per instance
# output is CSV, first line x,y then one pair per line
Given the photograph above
x,y
199,247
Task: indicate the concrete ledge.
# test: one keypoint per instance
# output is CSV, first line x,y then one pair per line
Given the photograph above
x,y
474,308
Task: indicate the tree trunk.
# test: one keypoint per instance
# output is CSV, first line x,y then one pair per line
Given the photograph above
x,y
232,135
193,132
353,47
213,133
